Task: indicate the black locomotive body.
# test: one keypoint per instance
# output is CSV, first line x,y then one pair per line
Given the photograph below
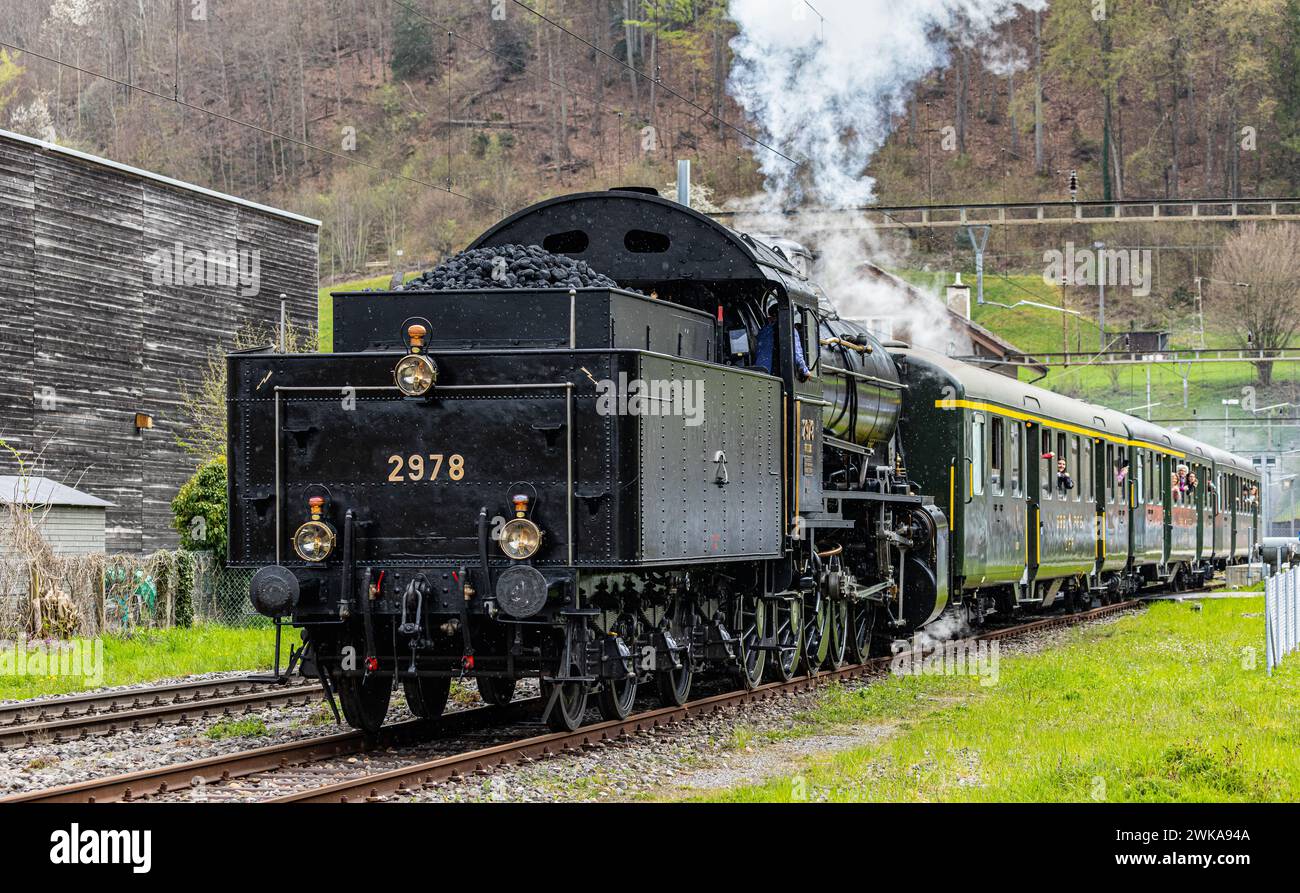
x,y
702,470
598,488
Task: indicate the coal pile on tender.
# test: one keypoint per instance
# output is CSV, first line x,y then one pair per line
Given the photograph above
x,y
509,266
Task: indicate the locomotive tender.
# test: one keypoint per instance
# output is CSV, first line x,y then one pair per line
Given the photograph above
x,y
598,488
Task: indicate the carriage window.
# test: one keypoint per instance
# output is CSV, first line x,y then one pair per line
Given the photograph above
x,y
1085,474
1016,457
1047,465
1113,478
977,454
995,456
1139,486
1073,468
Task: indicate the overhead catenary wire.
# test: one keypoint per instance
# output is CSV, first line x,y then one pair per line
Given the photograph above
x,y
257,127
667,89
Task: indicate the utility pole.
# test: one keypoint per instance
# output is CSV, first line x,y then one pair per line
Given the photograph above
x,y
1148,368
1101,293
1065,332
929,175
978,245
1200,311
1226,428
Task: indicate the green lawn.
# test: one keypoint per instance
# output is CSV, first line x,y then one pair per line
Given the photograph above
x,y
149,655
1037,330
1171,705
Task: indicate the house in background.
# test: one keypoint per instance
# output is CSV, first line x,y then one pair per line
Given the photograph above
x,y
71,521
115,285
985,345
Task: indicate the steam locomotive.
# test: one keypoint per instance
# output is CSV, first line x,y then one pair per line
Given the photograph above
x,y
613,488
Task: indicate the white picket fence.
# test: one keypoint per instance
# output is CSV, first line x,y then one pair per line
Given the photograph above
x,y
1281,615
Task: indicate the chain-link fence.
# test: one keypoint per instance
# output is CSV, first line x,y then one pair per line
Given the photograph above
x,y
91,594
221,594
1281,616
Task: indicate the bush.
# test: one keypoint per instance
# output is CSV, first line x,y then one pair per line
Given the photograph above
x,y
183,577
199,509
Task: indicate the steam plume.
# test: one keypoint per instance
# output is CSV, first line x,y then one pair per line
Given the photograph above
x,y
825,91
824,87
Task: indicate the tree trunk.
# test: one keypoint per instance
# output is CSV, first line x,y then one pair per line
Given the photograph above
x,y
1011,111
1040,167
962,70
627,44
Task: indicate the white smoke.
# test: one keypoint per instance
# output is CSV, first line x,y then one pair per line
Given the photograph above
x,y
826,93
1004,59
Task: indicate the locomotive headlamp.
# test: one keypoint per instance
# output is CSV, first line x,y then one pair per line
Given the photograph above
x,y
520,538
415,373
314,540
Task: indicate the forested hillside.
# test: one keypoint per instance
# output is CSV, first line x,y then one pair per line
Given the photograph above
x,y
366,113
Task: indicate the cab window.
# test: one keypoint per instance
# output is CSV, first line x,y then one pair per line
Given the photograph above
x,y
807,326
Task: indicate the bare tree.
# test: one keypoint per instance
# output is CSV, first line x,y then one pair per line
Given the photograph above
x,y
205,437
1257,293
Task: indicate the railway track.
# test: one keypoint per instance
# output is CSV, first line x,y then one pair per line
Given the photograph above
x,y
324,769
53,720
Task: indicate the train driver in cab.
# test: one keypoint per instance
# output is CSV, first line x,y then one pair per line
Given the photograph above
x,y
765,346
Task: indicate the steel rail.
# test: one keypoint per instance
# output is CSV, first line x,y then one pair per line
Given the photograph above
x,y
143,784
143,713
408,779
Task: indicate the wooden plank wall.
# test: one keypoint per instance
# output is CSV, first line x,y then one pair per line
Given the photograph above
x,y
17,190
79,253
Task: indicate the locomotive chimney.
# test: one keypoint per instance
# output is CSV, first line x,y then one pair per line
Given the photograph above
x,y
959,298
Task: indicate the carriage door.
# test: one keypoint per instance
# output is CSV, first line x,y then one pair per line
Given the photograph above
x,y
1232,516
976,527
1166,493
1198,500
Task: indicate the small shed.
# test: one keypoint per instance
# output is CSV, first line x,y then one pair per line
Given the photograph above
x,y
72,521
1146,341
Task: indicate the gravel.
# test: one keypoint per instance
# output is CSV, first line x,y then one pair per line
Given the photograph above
x,y
509,266
741,745
47,765
171,680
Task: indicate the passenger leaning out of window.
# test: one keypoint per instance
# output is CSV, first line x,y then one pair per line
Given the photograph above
x,y
1063,480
